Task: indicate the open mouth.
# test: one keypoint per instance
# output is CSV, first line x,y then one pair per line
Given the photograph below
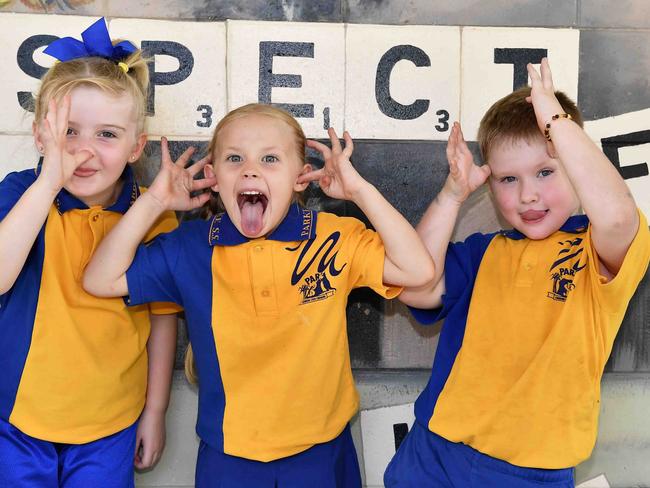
x,y
252,205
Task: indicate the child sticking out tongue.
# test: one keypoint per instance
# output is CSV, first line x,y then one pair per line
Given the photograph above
x,y
252,206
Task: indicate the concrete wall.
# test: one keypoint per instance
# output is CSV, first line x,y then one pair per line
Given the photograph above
x,y
455,58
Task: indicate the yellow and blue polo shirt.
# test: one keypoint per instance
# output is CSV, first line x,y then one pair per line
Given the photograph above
x,y
74,367
529,325
266,319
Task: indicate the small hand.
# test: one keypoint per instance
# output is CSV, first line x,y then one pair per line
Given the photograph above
x,y
149,439
464,176
542,94
174,184
337,178
58,164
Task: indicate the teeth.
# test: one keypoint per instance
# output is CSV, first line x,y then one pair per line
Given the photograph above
x,y
250,192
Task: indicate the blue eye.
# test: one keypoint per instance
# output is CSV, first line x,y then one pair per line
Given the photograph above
x,y
545,172
269,158
508,179
107,133
69,132
234,158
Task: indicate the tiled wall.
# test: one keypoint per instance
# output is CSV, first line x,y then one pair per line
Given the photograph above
x,y
393,73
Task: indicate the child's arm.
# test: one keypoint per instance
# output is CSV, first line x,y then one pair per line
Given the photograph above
x,y
20,227
438,221
105,275
604,196
161,349
407,262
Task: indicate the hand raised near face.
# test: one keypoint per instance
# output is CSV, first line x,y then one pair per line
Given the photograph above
x,y
58,163
464,176
173,186
337,178
542,94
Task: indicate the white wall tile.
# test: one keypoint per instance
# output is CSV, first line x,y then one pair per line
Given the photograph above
x,y
428,70
484,81
17,152
15,29
177,111
379,439
634,155
321,76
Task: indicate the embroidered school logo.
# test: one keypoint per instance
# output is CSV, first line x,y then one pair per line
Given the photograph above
x,y
563,271
316,285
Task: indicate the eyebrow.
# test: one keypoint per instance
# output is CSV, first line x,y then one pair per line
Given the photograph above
x,y
101,126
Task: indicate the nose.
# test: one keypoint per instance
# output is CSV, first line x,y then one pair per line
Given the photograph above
x,y
528,191
79,143
250,170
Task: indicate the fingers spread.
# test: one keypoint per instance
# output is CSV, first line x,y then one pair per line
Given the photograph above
x,y
184,158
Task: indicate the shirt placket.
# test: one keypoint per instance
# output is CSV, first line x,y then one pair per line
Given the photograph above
x,y
262,279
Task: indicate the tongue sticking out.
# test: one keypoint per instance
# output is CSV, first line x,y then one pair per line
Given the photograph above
x,y
251,216
531,215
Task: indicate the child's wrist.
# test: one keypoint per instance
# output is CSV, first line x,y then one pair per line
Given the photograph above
x,y
361,194
46,188
447,197
154,202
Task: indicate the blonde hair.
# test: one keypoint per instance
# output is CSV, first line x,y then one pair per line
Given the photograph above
x,y
512,118
99,72
214,205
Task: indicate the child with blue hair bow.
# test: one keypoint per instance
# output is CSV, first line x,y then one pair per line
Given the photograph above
x,y
85,382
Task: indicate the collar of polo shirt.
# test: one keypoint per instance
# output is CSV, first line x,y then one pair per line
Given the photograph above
x,y
298,225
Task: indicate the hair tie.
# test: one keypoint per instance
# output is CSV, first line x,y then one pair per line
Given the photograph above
x,y
124,66
96,42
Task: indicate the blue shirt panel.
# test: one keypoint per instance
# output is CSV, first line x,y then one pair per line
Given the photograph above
x,y
18,304
461,267
177,267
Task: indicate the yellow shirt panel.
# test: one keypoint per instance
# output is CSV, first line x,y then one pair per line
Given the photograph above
x,y
282,343
85,375
536,401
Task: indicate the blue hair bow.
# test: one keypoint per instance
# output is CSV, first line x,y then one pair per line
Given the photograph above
x,y
96,42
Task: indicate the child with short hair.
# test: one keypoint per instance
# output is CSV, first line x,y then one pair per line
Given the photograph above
x,y
530,314
76,376
264,286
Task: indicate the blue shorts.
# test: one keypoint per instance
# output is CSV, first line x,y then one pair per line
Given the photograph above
x,y
33,463
332,464
426,459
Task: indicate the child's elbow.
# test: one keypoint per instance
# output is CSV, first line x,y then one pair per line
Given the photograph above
x,y
92,286
426,274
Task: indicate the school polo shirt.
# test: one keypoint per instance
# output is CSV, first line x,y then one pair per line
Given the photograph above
x,y
529,327
74,367
266,320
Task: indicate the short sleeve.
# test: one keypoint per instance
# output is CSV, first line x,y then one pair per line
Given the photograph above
x,y
151,276
12,188
462,262
367,263
616,293
167,222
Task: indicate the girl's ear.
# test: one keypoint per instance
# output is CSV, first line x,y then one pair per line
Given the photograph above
x,y
37,137
298,187
140,143
208,171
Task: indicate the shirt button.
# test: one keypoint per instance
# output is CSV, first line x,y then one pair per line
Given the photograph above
x,y
265,293
95,217
258,248
528,266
